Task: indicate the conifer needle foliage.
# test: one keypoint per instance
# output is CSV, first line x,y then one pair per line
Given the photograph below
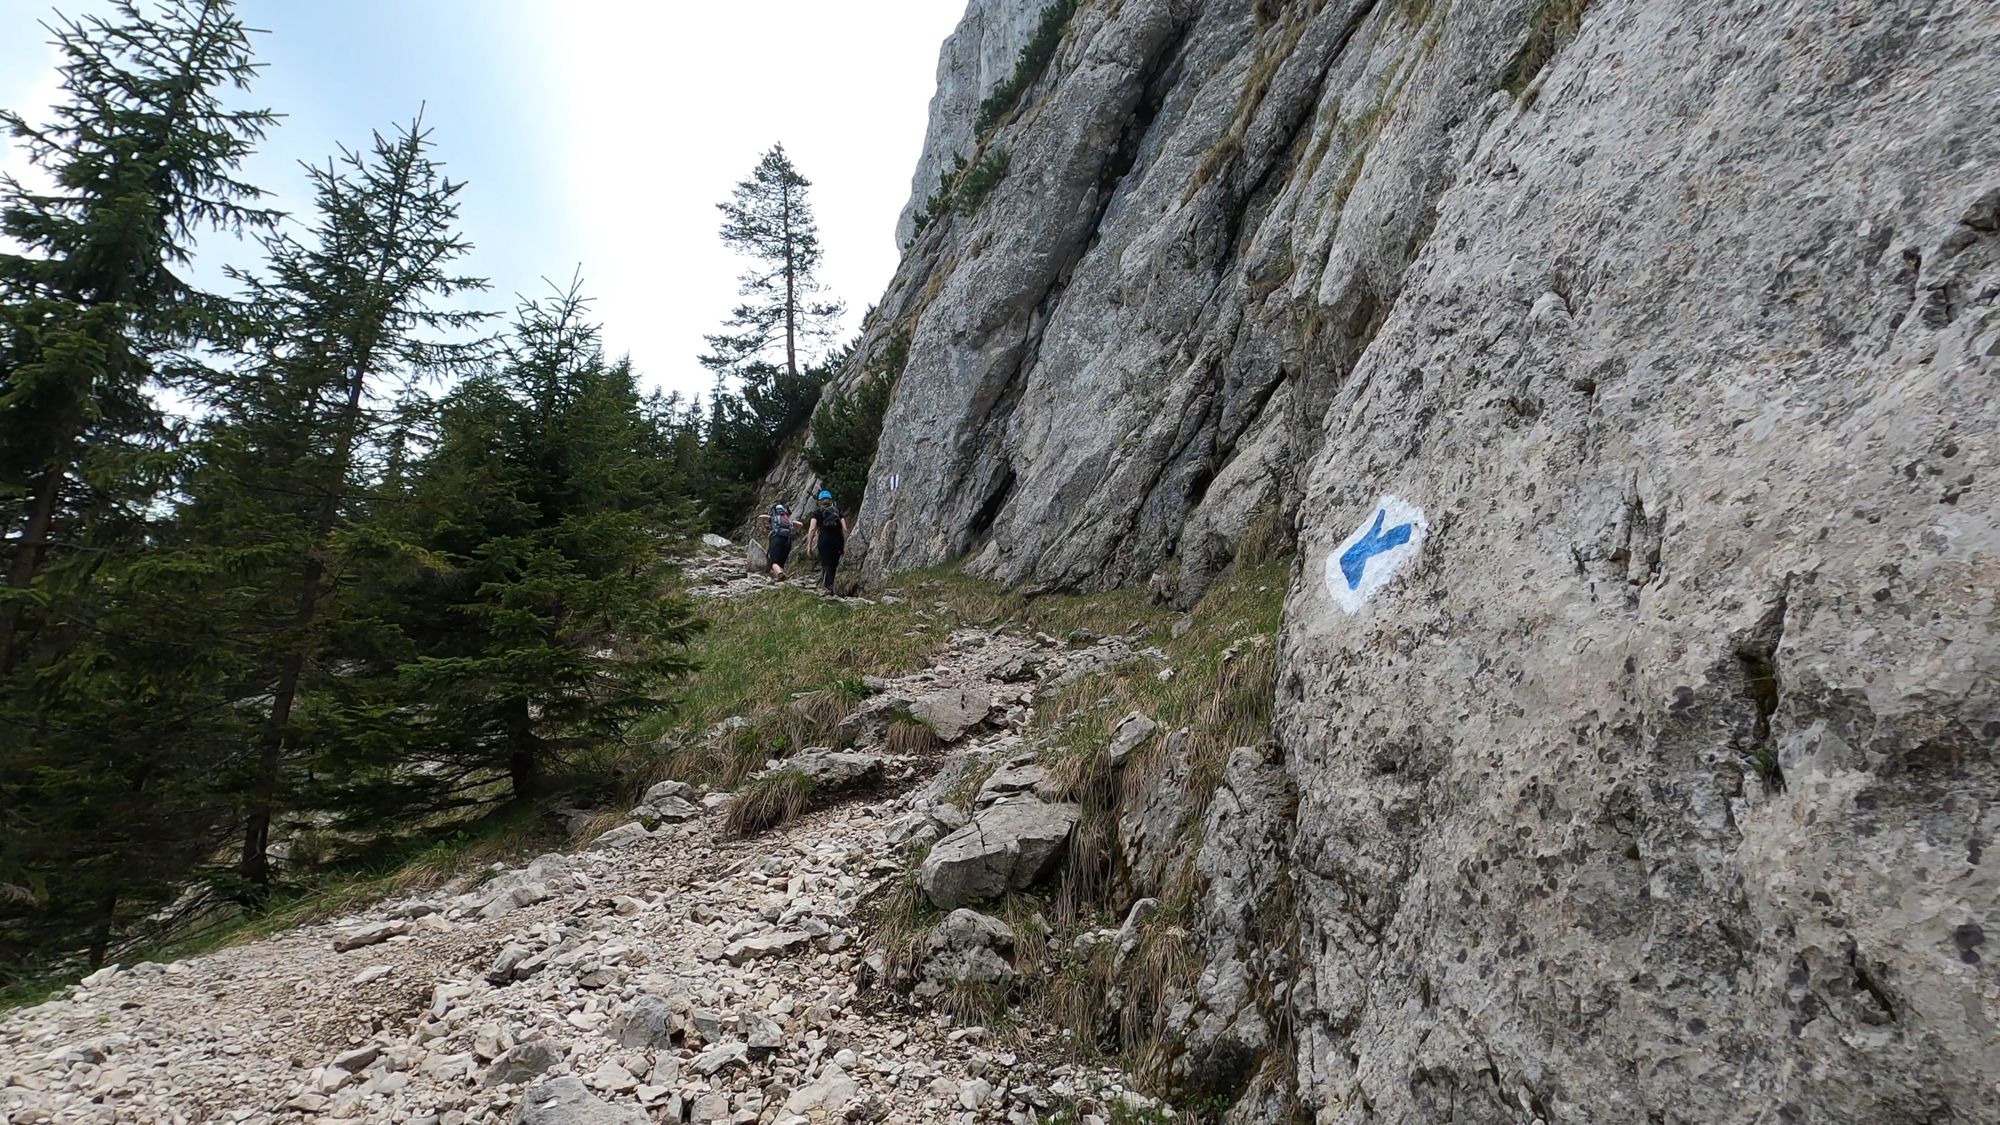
x,y
391,574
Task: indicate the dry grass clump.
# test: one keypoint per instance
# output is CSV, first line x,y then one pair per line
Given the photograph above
x,y
906,735
900,918
964,792
767,801
1551,28
597,826
1265,537
721,762
1221,692
820,712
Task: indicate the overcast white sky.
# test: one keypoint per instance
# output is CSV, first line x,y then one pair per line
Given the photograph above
x,y
595,133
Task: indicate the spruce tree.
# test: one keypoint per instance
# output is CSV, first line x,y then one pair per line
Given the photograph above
x,y
548,621
767,380
770,220
108,805
143,154
106,679
302,444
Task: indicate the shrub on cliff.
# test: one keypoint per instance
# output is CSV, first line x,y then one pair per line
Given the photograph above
x,y
847,429
979,181
1033,60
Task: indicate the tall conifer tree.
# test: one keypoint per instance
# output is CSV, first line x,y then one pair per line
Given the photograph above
x,y
552,621
769,219
143,154
301,442
106,676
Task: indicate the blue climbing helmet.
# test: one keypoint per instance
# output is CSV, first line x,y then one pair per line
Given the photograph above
x,y
825,495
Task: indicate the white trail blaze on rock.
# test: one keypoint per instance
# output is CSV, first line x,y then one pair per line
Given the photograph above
x,y
1389,536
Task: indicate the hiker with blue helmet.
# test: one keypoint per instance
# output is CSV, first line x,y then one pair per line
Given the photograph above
x,y
826,537
782,526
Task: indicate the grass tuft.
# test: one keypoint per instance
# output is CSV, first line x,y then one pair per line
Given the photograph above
x,y
1551,28
767,801
906,735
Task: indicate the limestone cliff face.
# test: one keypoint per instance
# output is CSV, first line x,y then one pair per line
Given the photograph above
x,y
978,56
1651,775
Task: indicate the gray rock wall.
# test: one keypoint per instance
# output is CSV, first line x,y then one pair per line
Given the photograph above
x,y
1653,779
976,57
1659,784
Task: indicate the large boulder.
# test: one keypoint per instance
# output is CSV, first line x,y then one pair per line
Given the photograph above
x,y
1022,775
1005,846
374,934
666,810
826,1095
779,943
544,877
1131,732
647,1022
566,1101
966,948
519,1063
663,791
950,714
1152,836
1246,835
834,771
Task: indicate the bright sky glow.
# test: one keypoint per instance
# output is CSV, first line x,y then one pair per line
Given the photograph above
x,y
595,134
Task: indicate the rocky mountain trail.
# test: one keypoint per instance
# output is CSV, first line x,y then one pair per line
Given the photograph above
x,y
669,971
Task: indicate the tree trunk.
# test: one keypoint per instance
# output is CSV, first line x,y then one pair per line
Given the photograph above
x,y
27,562
791,294
523,765
100,933
255,863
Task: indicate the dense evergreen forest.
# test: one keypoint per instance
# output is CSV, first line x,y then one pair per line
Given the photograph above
x,y
337,554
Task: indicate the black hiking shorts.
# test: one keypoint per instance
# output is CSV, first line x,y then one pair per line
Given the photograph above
x,y
781,549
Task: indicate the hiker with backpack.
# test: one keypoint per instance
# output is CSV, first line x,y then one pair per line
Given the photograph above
x,y
782,526
826,537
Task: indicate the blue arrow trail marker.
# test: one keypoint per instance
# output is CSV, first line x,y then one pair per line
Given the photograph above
x,y
1354,560
1367,560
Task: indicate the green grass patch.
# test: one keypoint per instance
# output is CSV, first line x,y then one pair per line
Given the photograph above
x,y
759,651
